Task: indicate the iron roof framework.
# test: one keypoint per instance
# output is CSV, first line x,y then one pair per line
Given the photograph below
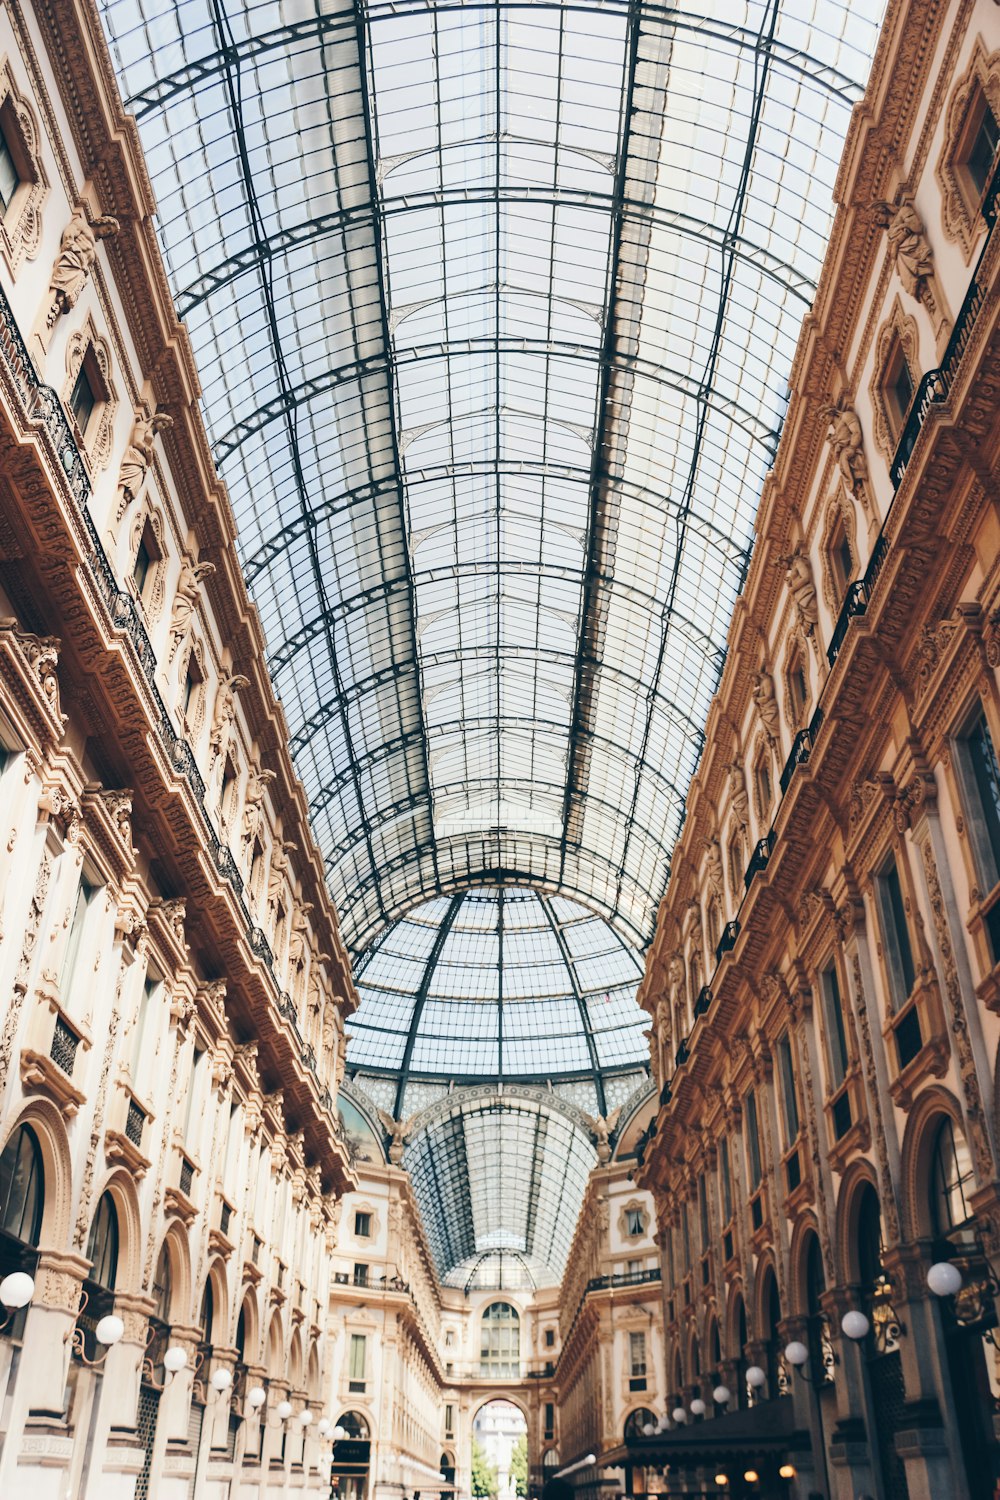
x,y
500,1177
498,983
494,306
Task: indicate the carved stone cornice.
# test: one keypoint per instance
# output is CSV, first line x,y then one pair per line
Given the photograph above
x,y
28,670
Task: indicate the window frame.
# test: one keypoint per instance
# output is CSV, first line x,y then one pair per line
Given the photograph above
x,y
898,956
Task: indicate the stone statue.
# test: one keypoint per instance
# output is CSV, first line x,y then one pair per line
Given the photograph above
x,y
601,1128
257,783
297,943
767,704
394,1129
138,457
908,245
276,874
799,578
738,792
714,854
186,601
230,684
75,260
847,444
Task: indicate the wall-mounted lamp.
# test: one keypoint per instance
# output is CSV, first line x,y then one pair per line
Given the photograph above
x,y
174,1360
305,1417
972,1300
109,1331
854,1325
787,1471
679,1415
698,1407
722,1396
256,1396
756,1377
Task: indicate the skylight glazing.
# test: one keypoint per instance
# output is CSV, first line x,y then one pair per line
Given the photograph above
x,y
502,984
494,308
505,1175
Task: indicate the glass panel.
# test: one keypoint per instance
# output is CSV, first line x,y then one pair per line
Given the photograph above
x,y
494,312
836,1039
895,935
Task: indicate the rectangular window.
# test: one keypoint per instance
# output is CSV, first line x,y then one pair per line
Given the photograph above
x,y
10,177
753,1142
149,989
83,399
550,1418
359,1349
727,1186
363,1226
360,1274
449,1338
686,1237
142,565
982,150
895,934
703,1212
637,1354
194,1091
449,1419
836,1038
790,1108
550,1338
85,894
634,1221
979,773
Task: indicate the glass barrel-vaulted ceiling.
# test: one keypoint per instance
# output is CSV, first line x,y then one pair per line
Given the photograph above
x,y
494,308
503,984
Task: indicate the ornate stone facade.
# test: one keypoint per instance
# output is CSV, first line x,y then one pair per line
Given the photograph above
x,y
827,1127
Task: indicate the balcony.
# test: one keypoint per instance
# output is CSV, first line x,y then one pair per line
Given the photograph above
x,y
759,858
802,747
726,944
856,601
936,385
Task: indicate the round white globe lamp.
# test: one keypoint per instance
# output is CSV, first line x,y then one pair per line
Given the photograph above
x,y
17,1290
755,1377
722,1394
698,1407
944,1279
284,1410
854,1325
221,1379
109,1330
796,1353
175,1359
256,1396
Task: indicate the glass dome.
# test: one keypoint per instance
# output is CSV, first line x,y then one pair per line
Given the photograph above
x,y
498,983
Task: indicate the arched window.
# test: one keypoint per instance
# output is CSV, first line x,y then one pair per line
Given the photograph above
x,y
952,1180
162,1286
102,1248
354,1426
500,1341
22,1187
637,1420
207,1315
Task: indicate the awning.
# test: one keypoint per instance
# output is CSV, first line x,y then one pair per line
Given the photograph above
x,y
763,1430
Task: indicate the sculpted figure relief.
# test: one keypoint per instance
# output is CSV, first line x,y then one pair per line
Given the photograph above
x,y
738,792
798,576
278,871
908,245
257,783
186,601
75,259
847,444
767,704
138,457
230,684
